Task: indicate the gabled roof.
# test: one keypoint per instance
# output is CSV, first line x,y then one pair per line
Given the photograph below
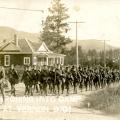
x,y
44,48
2,43
40,47
8,47
24,45
35,45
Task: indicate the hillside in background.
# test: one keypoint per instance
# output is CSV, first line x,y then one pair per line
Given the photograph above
x,y
7,33
91,44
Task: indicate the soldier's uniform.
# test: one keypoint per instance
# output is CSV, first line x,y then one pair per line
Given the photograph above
x,y
110,77
26,77
75,79
80,79
96,80
49,81
63,79
34,81
68,79
2,78
44,78
86,79
117,76
113,74
13,79
52,77
58,79
40,82
102,79
91,77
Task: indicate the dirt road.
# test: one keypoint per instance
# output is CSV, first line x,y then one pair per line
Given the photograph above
x,y
48,108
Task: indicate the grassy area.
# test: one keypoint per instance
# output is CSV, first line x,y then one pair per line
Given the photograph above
x,y
106,100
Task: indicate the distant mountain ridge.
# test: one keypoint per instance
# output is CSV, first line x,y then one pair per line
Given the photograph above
x,y
91,44
7,34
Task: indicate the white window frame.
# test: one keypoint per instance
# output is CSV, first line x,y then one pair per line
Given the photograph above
x,y
5,62
26,59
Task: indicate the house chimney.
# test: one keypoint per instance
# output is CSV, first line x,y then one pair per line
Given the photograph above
x,y
4,41
16,40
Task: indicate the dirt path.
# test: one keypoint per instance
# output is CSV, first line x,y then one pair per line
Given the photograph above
x,y
49,108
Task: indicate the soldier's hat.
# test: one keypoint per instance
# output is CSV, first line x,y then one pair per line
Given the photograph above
x,y
73,67
66,67
79,67
26,66
44,65
34,66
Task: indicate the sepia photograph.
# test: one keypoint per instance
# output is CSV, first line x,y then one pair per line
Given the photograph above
x,y
59,59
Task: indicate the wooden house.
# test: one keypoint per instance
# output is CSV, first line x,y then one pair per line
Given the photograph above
x,y
25,52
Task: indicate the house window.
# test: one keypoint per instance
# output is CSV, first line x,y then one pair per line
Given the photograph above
x,y
42,61
50,61
7,60
26,60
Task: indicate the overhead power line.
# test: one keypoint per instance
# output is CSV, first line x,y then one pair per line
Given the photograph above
x,y
22,9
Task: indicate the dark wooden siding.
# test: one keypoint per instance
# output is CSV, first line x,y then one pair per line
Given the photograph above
x,y
1,59
16,59
19,59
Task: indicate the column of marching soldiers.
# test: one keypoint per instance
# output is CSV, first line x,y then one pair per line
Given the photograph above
x,y
62,79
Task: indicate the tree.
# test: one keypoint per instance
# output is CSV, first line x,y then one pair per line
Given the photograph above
x,y
55,27
71,56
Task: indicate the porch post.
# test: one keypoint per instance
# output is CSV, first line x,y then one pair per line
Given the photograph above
x,y
54,61
60,61
34,60
46,60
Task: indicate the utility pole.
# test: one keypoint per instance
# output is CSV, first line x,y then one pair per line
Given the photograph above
x,y
104,49
104,52
77,52
119,59
104,55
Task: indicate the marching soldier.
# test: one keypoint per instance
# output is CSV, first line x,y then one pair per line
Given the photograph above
x,y
44,78
91,79
26,79
2,80
114,77
50,80
110,77
52,77
30,81
96,80
58,75
75,79
86,78
103,78
13,79
68,79
63,77
40,81
80,78
34,75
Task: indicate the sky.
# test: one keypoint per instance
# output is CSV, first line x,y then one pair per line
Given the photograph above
x,y
101,17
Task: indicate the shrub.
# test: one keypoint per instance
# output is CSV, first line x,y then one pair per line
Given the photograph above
x,y
107,100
